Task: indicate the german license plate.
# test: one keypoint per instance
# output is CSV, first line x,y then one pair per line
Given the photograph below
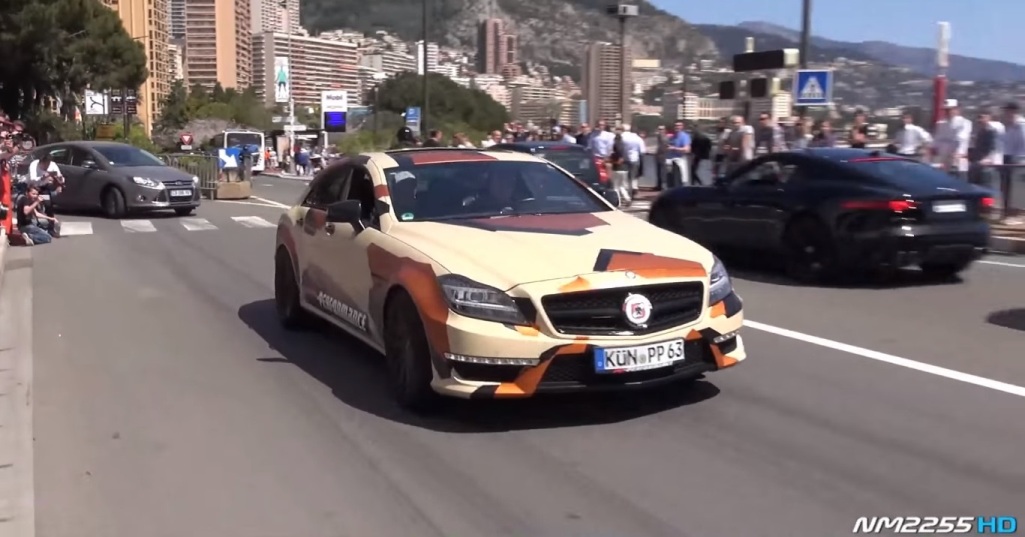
x,y
639,358
949,207
181,193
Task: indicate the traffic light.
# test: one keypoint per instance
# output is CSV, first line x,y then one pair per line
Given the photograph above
x,y
728,90
758,87
766,60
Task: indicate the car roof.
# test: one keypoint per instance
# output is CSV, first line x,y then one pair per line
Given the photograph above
x,y
535,145
843,154
437,155
87,143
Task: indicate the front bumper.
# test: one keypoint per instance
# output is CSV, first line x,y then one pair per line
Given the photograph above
x,y
566,363
909,245
148,199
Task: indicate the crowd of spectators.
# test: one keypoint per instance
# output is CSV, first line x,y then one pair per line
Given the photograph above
x,y
32,184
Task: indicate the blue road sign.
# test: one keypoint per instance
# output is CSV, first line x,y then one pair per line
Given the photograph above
x,y
813,87
413,117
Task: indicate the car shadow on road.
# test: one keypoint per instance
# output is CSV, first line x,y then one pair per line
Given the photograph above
x,y
356,375
1012,318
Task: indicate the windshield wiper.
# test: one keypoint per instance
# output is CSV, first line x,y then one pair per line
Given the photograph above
x,y
469,216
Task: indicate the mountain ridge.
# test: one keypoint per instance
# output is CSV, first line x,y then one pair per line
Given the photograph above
x,y
921,60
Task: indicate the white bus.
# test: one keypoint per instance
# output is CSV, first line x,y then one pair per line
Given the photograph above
x,y
235,138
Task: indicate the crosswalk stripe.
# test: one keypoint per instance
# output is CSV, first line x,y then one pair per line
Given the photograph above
x,y
138,226
252,221
76,228
197,224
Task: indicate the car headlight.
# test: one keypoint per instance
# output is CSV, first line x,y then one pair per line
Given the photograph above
x,y
195,180
148,183
719,284
471,299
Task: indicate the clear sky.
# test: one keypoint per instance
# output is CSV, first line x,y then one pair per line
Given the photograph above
x,y
992,29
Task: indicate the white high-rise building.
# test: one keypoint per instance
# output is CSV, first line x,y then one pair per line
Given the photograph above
x,y
268,16
431,54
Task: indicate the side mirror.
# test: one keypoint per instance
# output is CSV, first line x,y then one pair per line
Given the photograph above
x,y
89,165
346,212
612,197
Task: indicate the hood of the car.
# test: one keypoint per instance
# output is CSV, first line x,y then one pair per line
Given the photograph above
x,y
508,251
156,173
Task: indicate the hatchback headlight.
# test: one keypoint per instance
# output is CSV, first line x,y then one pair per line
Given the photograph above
x,y
195,180
148,183
719,284
471,299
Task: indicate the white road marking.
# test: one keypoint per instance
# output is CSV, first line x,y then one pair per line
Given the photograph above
x,y
1001,264
239,202
138,226
76,228
252,221
196,224
273,203
923,367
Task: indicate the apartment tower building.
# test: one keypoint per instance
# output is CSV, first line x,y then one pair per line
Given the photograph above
x,y
145,21
176,18
218,43
316,65
268,16
603,87
496,47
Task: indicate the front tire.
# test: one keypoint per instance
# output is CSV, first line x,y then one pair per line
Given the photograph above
x,y
290,312
408,354
113,203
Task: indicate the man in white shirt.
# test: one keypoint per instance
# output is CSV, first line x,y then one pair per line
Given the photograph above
x,y
1014,135
951,141
42,166
740,145
911,140
635,147
601,143
494,139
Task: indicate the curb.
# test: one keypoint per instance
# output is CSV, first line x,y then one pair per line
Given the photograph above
x,y
1012,245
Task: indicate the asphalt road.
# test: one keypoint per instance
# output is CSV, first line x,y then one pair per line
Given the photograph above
x,y
169,403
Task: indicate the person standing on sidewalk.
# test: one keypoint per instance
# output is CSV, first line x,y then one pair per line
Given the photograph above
x,y
701,150
951,140
679,151
741,145
620,167
661,148
722,141
634,146
911,140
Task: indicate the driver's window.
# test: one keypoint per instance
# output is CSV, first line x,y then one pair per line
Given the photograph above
x,y
764,174
328,187
60,155
361,189
79,156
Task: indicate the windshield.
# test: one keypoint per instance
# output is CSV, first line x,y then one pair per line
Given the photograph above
x,y
579,162
234,139
128,156
455,190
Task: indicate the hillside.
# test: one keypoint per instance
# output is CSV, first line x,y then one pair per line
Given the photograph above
x,y
551,32
918,59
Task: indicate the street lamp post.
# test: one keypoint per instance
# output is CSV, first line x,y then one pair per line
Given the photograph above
x,y
623,12
805,43
423,55
291,97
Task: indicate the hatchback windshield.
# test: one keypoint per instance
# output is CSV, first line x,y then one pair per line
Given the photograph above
x,y
128,156
448,191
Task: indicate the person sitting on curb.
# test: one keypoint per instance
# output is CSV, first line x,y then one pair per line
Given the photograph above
x,y
32,220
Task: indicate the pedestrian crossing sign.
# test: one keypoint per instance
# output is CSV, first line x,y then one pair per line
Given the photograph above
x,y
813,87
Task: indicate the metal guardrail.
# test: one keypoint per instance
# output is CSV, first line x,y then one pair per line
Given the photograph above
x,y
208,169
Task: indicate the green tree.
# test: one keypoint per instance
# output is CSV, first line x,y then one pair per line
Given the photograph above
x,y
55,49
451,106
174,111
